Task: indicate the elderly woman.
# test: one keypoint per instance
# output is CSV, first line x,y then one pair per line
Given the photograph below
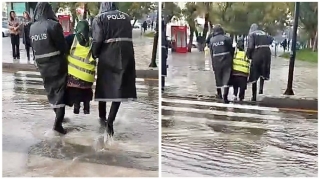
x,y
81,68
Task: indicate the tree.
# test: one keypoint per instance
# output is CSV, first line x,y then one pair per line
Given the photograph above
x,y
170,11
189,12
137,9
309,18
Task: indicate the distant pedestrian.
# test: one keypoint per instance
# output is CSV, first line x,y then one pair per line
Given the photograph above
x,y
26,31
144,26
284,44
14,27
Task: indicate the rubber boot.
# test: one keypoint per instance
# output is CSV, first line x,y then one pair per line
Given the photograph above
x,y
225,95
76,108
219,94
86,107
112,116
261,86
102,113
254,92
58,121
162,83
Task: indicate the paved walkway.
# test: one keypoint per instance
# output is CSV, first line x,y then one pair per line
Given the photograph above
x,y
191,75
142,45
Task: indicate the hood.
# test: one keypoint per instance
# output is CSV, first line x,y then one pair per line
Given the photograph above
x,y
44,10
217,30
253,27
107,6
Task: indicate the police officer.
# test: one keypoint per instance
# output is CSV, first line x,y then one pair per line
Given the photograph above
x,y
221,54
259,52
116,75
50,51
164,53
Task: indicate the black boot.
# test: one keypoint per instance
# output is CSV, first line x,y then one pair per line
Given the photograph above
x,y
254,92
112,116
102,113
261,85
219,94
86,107
225,95
58,121
76,108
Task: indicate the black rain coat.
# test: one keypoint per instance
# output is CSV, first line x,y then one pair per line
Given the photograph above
x,y
164,50
222,56
260,54
112,45
50,50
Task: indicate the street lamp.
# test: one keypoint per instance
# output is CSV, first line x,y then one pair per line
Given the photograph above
x,y
289,90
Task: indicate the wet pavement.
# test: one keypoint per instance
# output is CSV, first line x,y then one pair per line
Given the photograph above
x,y
142,46
191,74
34,150
207,138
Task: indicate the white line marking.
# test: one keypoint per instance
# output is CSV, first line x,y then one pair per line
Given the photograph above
x,y
221,113
241,124
230,105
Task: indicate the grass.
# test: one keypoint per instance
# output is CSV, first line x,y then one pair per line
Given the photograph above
x,y
304,55
149,34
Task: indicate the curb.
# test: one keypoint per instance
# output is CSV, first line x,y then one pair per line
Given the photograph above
x,y
14,67
285,104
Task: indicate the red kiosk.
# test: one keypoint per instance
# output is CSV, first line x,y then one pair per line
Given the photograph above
x,y
65,22
179,39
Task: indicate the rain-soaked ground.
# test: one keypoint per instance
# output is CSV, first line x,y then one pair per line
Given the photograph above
x,y
30,147
206,138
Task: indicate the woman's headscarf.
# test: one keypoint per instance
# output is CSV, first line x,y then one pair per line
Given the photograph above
x,y
82,33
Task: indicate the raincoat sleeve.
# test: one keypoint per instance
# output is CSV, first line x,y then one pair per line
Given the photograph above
x,y
97,35
56,35
229,45
250,46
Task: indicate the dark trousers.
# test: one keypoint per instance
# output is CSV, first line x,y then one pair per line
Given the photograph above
x,y
112,113
15,42
28,51
86,105
239,86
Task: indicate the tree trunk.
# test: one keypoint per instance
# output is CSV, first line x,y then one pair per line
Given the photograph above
x,y
190,39
315,42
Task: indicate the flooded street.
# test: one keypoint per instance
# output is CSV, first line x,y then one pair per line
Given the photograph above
x,y
205,138
33,149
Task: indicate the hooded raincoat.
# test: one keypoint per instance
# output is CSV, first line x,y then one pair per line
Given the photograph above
x,y
222,56
50,50
260,54
112,45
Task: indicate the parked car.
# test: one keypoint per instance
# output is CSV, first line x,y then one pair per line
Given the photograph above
x,y
5,29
